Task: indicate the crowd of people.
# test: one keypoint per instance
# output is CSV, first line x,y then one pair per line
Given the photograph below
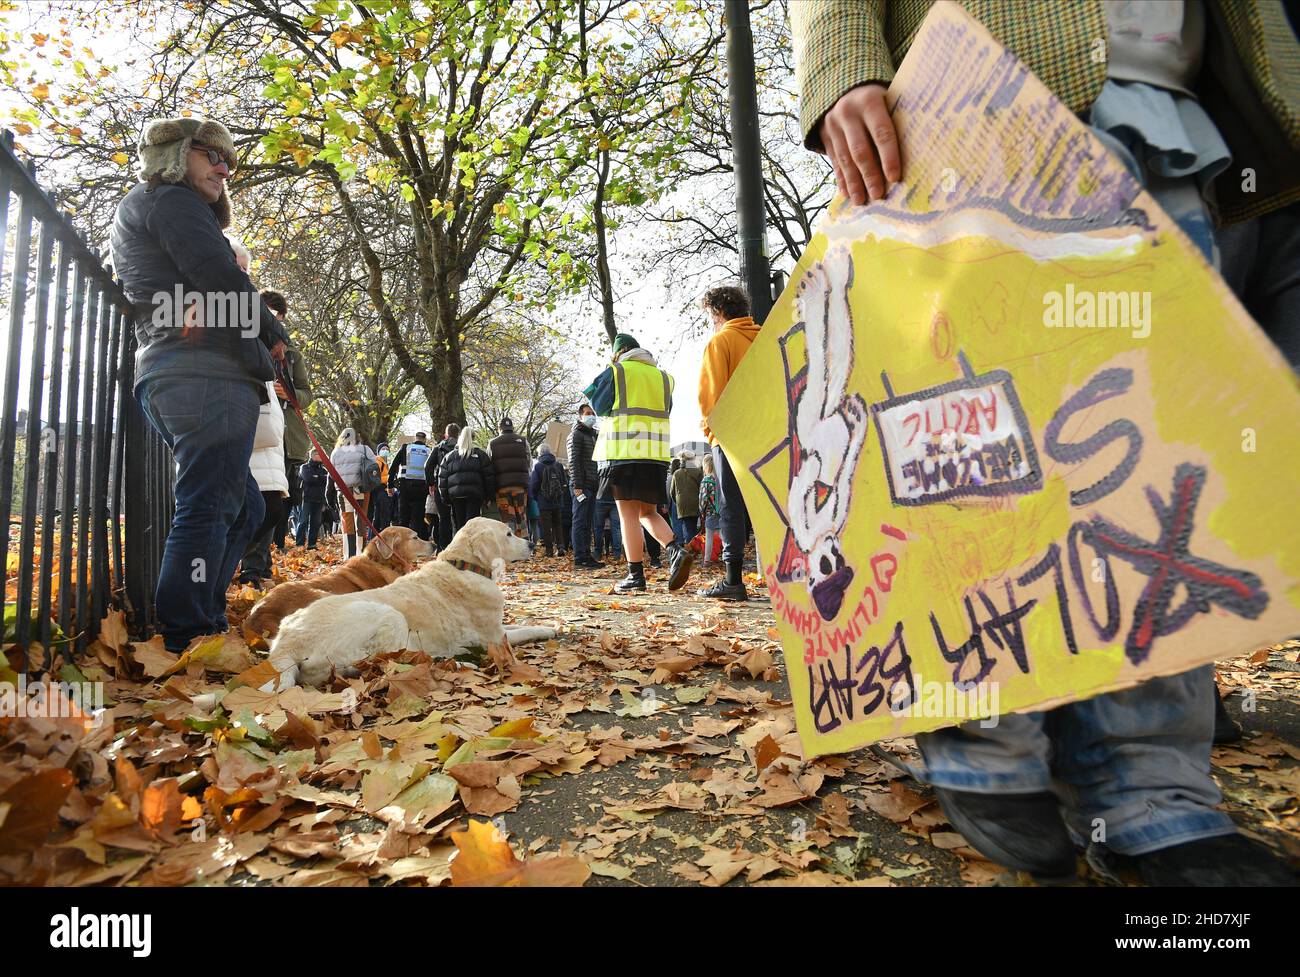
x,y
1027,792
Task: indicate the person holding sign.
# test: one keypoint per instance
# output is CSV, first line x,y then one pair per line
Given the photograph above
x,y
1124,774
734,330
632,454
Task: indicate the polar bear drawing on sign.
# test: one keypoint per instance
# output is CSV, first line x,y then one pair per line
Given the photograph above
x,y
830,426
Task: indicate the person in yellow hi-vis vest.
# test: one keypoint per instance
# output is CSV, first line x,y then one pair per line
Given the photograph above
x,y
635,397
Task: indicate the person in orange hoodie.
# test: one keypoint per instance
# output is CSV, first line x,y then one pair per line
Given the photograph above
x,y
734,332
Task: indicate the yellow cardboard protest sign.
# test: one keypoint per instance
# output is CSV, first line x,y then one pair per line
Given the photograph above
x,y
1031,448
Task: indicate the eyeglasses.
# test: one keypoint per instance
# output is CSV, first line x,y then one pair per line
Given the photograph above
x,y
214,156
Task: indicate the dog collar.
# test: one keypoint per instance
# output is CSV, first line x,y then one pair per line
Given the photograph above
x,y
472,567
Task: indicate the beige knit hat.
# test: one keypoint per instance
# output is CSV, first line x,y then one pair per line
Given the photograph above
x,y
165,147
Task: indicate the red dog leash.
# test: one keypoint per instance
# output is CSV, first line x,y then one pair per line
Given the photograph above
x,y
340,484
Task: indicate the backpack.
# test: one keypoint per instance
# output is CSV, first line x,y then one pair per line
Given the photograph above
x,y
708,496
554,485
370,476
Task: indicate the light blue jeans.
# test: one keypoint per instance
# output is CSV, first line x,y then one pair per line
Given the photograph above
x,y
1131,768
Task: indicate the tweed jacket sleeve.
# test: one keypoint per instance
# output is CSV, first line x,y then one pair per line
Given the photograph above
x,y
838,44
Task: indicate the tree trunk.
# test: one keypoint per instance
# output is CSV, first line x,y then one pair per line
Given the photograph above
x,y
602,249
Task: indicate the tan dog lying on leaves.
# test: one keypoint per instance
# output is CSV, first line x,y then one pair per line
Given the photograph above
x,y
449,605
378,565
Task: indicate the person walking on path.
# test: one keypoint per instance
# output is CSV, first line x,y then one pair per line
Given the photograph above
x,y
267,466
586,483
382,498
607,523
352,459
315,480
709,513
442,530
734,331
199,384
550,487
297,445
632,452
415,464
465,480
510,464
686,494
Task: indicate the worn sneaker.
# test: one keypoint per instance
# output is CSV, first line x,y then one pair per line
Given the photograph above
x,y
680,561
1024,832
633,581
1224,860
726,591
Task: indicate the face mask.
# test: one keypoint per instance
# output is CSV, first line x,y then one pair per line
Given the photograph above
x,y
384,454
589,420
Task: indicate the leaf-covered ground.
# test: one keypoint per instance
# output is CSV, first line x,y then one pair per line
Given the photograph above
x,y
652,744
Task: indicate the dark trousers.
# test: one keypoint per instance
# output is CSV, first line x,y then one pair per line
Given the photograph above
x,y
607,514
552,531
731,509
652,548
411,494
444,529
309,520
256,563
584,517
463,510
209,424
291,466
381,509
1260,261
690,526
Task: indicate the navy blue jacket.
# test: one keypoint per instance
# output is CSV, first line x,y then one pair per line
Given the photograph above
x,y
535,482
314,481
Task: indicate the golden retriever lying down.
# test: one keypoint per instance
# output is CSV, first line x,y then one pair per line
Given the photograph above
x,y
446,606
366,571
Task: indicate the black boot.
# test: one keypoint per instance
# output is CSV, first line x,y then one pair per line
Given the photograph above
x,y
680,561
1024,832
1226,860
635,579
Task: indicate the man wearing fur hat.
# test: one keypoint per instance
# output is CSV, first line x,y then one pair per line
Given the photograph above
x,y
205,344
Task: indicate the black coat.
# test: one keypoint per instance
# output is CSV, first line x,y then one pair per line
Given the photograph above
x,y
314,481
466,476
511,460
582,469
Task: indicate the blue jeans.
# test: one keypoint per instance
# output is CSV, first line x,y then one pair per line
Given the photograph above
x,y
607,510
1135,761
584,516
732,514
308,526
209,424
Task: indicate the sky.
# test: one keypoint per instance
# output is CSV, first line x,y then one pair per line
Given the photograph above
x,y
648,306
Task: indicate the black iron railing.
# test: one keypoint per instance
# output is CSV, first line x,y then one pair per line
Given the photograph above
x,y
85,483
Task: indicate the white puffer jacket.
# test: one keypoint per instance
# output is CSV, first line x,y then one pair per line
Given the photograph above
x,y
267,463
349,459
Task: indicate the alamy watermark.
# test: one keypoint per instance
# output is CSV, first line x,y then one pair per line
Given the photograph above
x,y
75,930
1085,308
240,310
946,700
52,699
